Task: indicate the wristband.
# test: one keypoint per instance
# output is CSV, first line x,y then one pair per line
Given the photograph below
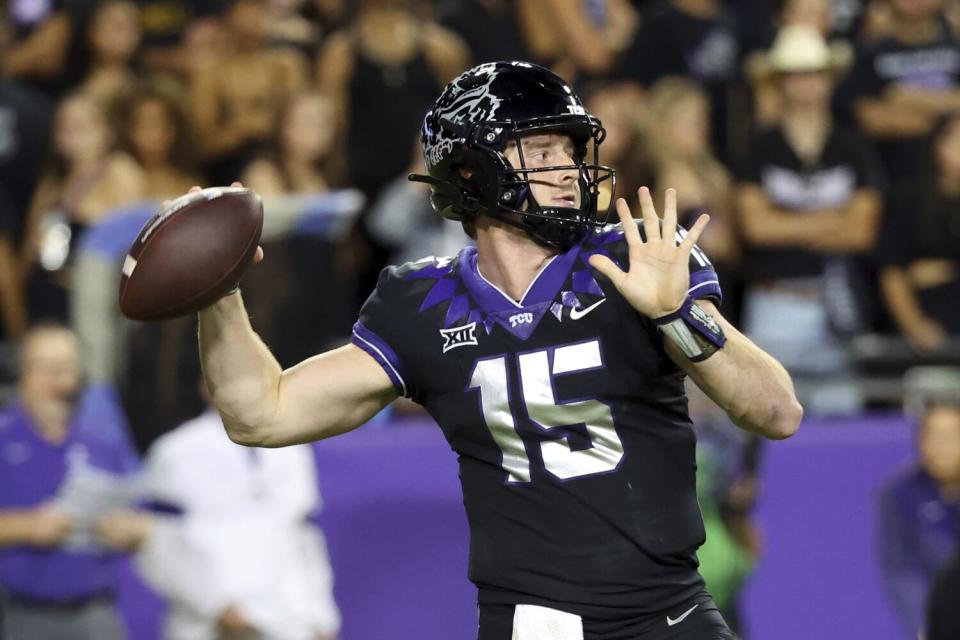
x,y
693,330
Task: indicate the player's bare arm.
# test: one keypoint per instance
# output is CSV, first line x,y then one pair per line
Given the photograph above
x,y
747,383
265,406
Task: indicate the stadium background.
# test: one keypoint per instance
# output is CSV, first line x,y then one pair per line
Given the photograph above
x,y
316,103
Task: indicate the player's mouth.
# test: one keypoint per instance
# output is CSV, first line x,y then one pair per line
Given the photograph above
x,y
568,200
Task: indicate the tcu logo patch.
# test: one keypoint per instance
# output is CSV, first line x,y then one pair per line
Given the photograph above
x,y
459,336
521,318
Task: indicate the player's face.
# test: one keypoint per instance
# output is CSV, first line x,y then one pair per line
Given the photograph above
x,y
308,128
152,131
688,127
81,131
115,31
247,18
940,443
806,88
557,188
50,370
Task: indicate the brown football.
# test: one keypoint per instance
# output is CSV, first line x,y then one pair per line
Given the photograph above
x,y
190,253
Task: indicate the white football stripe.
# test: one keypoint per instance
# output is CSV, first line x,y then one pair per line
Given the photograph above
x,y
129,264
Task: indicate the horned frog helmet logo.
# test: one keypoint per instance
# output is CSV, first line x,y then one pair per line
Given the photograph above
x,y
467,99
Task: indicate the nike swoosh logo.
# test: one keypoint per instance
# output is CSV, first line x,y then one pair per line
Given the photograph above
x,y
576,314
683,616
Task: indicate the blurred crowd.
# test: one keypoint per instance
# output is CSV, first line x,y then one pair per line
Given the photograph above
x,y
823,137
819,134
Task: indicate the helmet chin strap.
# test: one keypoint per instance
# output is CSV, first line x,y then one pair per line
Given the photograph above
x,y
543,224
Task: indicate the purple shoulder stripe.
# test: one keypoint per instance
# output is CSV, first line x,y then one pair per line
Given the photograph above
x,y
382,353
705,284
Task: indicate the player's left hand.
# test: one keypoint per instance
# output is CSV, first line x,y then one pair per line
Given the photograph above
x,y
659,272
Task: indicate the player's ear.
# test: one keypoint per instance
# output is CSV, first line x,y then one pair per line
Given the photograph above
x,y
466,174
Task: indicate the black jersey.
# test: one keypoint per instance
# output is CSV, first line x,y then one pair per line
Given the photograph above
x,y
570,422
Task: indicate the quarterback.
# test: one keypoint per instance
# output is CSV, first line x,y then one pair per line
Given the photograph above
x,y
553,357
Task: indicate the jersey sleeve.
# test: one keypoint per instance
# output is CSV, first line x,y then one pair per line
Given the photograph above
x,y
380,329
704,282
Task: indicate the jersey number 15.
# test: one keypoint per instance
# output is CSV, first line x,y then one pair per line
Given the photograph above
x,y
490,376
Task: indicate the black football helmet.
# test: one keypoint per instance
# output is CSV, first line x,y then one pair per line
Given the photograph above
x,y
468,129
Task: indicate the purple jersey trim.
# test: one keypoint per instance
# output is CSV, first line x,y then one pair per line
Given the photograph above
x,y
705,284
382,353
543,289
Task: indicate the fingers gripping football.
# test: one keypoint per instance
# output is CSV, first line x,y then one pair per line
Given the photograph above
x,y
191,252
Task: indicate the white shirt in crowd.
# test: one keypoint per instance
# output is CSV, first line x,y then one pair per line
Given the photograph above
x,y
242,538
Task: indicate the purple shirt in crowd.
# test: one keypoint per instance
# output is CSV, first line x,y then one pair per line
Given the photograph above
x,y
919,532
32,471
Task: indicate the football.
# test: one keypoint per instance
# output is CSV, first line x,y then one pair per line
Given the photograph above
x,y
191,253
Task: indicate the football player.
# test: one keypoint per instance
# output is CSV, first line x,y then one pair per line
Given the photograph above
x,y
552,355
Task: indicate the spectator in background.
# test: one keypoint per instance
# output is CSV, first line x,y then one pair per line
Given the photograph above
x,y
677,131
403,220
302,159
492,30
103,55
60,442
578,38
13,311
809,199
312,271
290,25
766,95
621,110
87,179
25,116
383,72
237,93
920,245
919,508
230,544
943,616
177,32
694,38
36,47
157,134
902,83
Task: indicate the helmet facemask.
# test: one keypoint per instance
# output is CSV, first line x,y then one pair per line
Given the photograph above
x,y
465,136
505,192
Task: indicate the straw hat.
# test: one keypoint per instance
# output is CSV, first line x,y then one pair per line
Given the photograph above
x,y
799,48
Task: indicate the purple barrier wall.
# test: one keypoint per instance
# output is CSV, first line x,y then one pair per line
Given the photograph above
x,y
397,534
818,577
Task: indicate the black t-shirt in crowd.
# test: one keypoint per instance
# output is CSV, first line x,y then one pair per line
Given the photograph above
x,y
569,421
673,43
491,30
845,165
920,223
25,117
933,65
943,615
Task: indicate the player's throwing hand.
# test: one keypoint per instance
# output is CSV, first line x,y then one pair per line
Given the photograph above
x,y
659,272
